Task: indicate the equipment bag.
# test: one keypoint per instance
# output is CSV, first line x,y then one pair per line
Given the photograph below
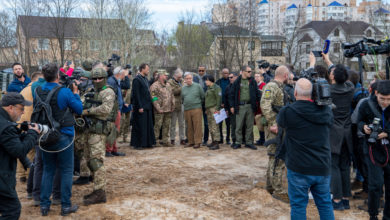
x,y
42,114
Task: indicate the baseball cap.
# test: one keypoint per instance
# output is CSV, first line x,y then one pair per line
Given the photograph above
x,y
14,98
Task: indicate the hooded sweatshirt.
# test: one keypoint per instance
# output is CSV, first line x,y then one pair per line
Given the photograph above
x,y
307,137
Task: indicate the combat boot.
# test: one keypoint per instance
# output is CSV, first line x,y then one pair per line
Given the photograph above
x,y
215,146
82,180
97,196
281,197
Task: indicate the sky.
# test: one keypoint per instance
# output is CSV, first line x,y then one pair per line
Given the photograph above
x,y
166,13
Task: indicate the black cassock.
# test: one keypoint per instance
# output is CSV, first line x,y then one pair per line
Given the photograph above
x,y
142,133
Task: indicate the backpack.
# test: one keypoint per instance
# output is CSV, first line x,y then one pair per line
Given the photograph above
x,y
42,114
360,93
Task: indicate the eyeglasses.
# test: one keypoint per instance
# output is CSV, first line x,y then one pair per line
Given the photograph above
x,y
20,109
231,77
248,71
201,71
100,78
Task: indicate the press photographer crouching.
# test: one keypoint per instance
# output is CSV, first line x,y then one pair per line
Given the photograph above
x,y
13,144
306,151
374,121
52,107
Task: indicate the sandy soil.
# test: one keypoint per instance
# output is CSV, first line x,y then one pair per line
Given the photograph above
x,y
183,183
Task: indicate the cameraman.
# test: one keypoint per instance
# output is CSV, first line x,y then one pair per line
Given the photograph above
x,y
308,158
14,144
378,174
266,72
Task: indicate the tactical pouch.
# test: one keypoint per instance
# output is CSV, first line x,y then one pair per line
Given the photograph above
x,y
99,127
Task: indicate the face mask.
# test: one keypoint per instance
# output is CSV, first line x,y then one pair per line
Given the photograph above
x,y
99,85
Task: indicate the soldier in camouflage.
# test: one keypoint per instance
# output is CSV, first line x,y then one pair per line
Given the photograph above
x,y
164,105
271,100
213,99
101,112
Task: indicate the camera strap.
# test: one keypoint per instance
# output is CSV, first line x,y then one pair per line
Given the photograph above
x,y
373,108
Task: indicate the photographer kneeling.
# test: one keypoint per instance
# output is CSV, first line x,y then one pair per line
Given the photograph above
x,y
307,152
374,121
13,145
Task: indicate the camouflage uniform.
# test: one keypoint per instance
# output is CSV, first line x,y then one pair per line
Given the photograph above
x,y
213,99
100,128
80,144
163,107
178,113
273,96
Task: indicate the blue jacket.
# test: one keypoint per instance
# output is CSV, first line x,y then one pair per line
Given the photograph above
x,y
114,83
17,86
66,99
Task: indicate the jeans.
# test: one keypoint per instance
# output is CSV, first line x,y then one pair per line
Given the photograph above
x,y
64,162
298,189
38,171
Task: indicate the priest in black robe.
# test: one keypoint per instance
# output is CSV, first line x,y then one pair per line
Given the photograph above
x,y
142,133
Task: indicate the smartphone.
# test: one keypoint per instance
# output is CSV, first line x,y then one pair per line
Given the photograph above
x,y
68,62
317,53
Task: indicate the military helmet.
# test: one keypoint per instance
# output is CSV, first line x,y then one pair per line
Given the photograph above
x,y
87,64
86,74
99,73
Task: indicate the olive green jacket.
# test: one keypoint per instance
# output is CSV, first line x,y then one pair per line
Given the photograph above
x,y
213,97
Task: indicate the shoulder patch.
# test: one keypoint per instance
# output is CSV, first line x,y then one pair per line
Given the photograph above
x,y
267,94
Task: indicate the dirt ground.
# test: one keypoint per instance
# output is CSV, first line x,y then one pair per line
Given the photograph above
x,y
183,183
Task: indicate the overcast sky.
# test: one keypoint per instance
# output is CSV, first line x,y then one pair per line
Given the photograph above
x,y
166,13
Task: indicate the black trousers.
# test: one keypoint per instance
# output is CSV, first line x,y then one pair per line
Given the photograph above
x,y
340,178
9,208
227,123
377,176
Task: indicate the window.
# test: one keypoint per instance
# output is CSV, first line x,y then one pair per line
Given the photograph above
x,y
251,45
271,48
43,44
369,33
115,45
307,49
222,44
336,33
336,47
67,44
94,45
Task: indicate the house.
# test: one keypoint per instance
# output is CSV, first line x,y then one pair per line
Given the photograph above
x,y
234,47
313,35
54,39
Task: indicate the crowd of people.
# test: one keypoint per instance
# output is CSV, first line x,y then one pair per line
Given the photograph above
x,y
97,104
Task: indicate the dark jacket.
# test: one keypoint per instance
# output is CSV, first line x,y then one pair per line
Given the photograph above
x,y
290,92
366,115
13,145
17,86
253,92
140,94
223,83
226,100
268,76
342,95
306,139
125,83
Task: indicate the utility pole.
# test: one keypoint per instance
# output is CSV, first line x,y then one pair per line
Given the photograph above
x,y
250,33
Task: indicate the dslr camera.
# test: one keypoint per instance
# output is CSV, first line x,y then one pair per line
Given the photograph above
x,y
375,130
43,129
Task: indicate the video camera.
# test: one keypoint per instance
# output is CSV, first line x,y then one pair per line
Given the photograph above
x,y
321,87
110,64
68,81
362,48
